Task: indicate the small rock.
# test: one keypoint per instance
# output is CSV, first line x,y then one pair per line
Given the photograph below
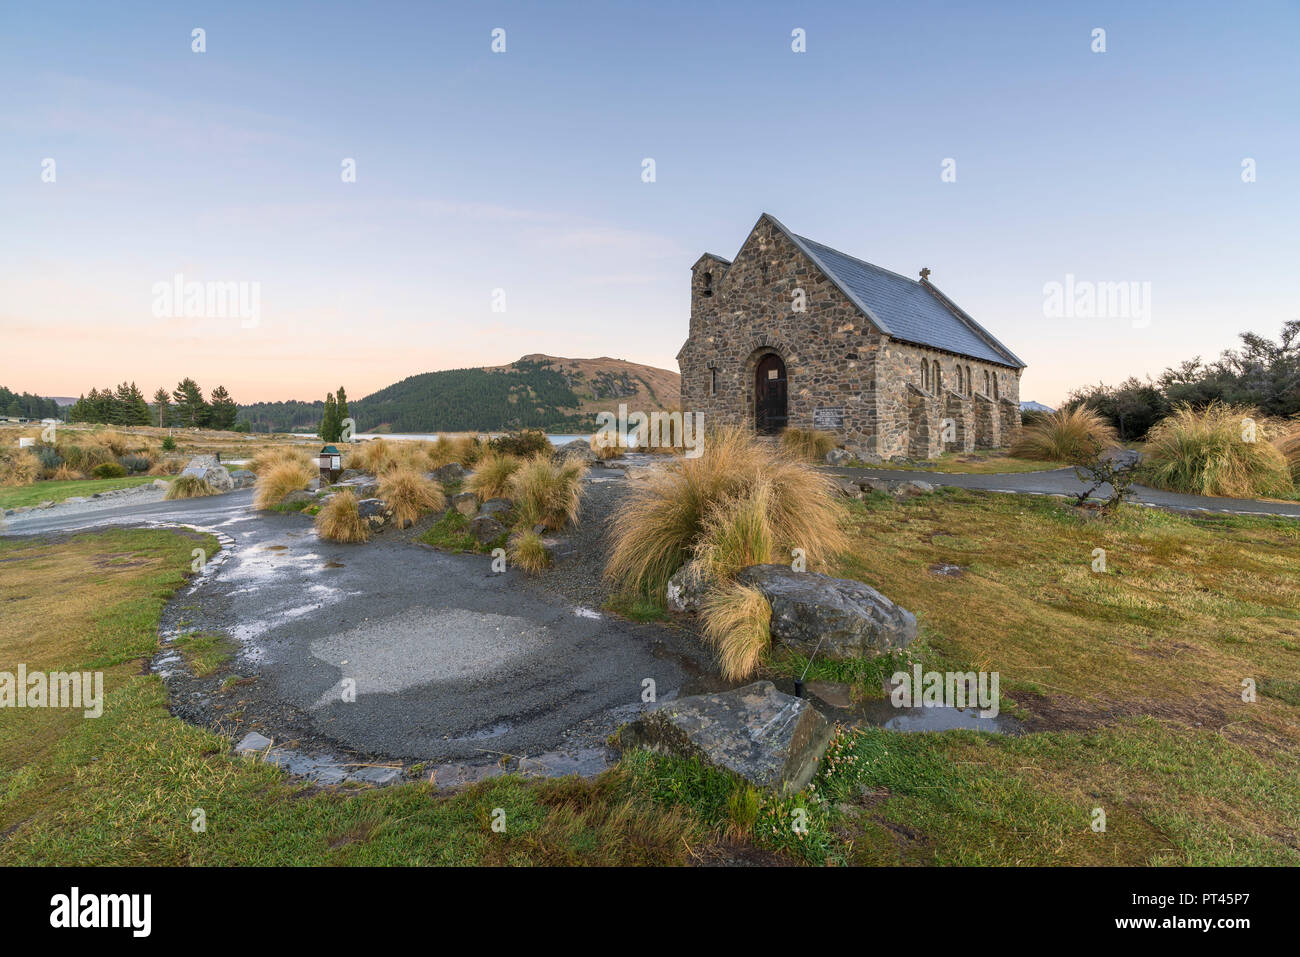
x,y
252,742
243,478
496,506
913,488
451,472
839,457
374,510
75,500
48,504
161,483
293,498
486,529
848,489
770,738
466,503
686,590
577,449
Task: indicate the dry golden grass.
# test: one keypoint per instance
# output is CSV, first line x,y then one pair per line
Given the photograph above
x,y
409,494
340,519
19,467
1289,445
608,447
189,486
463,449
1075,435
547,493
1220,450
166,467
807,445
371,456
491,475
528,552
64,474
736,533
662,521
279,479
266,459
737,623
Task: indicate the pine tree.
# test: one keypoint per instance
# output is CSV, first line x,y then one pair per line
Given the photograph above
x,y
162,401
191,410
329,423
221,409
343,414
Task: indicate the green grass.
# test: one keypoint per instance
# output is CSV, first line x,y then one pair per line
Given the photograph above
x,y
205,652
636,607
974,463
52,491
451,533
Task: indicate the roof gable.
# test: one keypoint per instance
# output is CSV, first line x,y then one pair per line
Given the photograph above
x,y
903,308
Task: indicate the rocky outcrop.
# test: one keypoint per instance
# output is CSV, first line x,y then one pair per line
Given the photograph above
x,y
836,617
577,449
770,738
449,473
215,475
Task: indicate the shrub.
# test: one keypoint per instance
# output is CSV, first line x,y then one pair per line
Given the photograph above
x,y
807,445
277,481
49,457
528,552
169,444
1076,435
464,449
135,463
84,458
189,486
19,467
662,521
547,493
65,474
737,622
340,519
107,470
522,444
165,467
491,476
409,494
1206,453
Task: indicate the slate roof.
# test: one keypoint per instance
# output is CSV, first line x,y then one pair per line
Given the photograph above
x,y
904,308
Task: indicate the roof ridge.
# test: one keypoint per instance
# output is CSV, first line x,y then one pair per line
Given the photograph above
x,y
862,262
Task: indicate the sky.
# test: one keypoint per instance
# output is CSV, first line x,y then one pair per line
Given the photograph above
x,y
500,205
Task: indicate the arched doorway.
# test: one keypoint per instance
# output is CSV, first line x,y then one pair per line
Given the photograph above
x,y
770,408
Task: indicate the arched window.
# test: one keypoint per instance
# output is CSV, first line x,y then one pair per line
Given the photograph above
x,y
996,377
708,284
925,375
960,390
988,389
938,377
970,381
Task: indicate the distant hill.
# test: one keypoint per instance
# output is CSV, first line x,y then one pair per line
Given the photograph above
x,y
1032,406
535,392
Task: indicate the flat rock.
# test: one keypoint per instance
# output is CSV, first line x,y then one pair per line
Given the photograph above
x,y
252,742
772,739
243,478
577,449
374,510
835,617
293,498
466,503
496,506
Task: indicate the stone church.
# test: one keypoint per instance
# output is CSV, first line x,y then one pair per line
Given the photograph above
x,y
794,333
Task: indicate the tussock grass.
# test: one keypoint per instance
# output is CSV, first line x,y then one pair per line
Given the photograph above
x,y
807,445
19,467
608,447
464,449
65,474
547,493
189,486
1206,452
736,533
340,519
736,623
409,494
1289,445
662,522
268,458
1076,436
491,475
278,480
372,456
527,552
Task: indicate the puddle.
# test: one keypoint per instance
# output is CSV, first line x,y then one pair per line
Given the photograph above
x,y
833,701
583,612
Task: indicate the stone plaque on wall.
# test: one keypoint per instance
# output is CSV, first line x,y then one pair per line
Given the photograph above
x,y
828,419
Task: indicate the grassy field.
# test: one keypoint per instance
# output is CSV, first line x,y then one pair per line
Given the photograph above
x,y
1134,677
51,491
975,463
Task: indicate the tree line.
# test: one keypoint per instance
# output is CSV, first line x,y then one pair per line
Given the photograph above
x,y
27,406
184,406
1262,373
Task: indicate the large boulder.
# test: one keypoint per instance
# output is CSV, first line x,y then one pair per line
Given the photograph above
x,y
846,618
375,511
770,738
206,461
839,457
577,449
243,478
216,475
496,506
466,503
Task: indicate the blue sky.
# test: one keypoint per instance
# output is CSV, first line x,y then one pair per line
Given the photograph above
x,y
521,171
